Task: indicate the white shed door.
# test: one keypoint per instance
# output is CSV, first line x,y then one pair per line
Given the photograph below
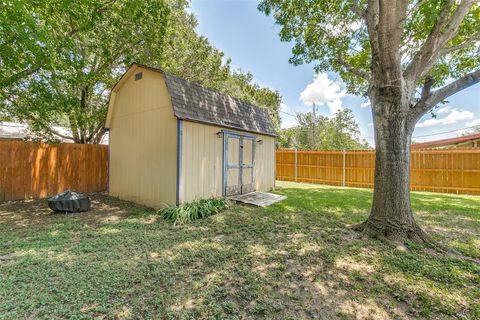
x,y
239,158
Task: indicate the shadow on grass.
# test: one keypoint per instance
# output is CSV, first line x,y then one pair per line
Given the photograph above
x,y
295,259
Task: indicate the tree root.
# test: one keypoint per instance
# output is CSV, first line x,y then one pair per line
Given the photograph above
x,y
402,235
393,233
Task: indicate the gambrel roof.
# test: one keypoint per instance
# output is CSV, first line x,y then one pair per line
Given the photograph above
x,y
195,103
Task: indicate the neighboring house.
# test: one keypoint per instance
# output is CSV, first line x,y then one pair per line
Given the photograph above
x,y
173,141
19,131
468,141
12,131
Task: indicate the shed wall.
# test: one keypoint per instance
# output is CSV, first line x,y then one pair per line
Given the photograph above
x,y
202,162
143,142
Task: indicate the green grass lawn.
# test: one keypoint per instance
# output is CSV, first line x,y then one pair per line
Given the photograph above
x,y
294,260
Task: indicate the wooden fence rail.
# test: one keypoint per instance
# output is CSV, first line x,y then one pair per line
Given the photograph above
x,y
447,170
37,170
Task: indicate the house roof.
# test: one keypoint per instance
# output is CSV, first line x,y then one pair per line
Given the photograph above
x,y
195,103
447,142
12,135
12,130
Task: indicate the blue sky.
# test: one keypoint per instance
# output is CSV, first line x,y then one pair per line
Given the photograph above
x,y
251,39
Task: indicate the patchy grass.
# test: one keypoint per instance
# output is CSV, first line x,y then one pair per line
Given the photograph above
x,y
293,260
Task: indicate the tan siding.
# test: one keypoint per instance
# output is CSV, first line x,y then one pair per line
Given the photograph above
x,y
143,142
265,164
202,162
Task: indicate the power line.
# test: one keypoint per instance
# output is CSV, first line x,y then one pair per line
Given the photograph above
x,y
438,133
287,113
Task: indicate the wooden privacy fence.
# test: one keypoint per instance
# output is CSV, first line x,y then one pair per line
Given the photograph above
x,y
37,170
447,170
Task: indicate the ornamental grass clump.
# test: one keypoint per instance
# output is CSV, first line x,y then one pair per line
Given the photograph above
x,y
197,209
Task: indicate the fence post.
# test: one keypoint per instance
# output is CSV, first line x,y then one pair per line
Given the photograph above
x,y
343,168
296,164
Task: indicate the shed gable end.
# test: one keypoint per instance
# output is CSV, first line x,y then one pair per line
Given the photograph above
x,y
143,140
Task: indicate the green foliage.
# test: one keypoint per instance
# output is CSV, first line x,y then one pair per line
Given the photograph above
x,y
197,209
75,55
59,60
339,132
324,31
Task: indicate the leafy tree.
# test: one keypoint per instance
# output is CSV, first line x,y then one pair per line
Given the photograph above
x,y
339,132
287,138
60,60
387,50
73,54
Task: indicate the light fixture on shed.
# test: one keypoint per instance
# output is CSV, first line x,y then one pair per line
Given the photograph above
x,y
219,134
260,141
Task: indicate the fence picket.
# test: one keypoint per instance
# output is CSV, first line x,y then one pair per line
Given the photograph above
x,y
33,170
443,170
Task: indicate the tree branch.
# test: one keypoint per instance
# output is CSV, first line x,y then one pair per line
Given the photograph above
x,y
99,135
372,14
427,86
47,127
462,45
58,134
22,74
443,31
358,72
428,101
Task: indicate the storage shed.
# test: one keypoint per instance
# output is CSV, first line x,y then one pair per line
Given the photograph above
x,y
173,141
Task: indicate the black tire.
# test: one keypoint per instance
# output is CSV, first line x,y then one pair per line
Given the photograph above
x,y
69,201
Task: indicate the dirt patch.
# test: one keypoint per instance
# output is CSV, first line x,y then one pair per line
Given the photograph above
x,y
6,257
25,214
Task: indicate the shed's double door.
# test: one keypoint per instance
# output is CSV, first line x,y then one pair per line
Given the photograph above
x,y
239,160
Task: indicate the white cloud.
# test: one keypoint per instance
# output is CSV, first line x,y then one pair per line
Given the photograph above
x,y
323,91
443,110
475,122
283,107
454,116
334,105
365,104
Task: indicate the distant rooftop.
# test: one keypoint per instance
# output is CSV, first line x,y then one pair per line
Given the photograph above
x,y
448,142
19,131
12,131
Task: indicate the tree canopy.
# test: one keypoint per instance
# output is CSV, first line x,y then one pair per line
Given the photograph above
x,y
316,132
437,40
60,60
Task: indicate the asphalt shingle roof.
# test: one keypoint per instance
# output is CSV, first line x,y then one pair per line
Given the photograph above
x,y
195,103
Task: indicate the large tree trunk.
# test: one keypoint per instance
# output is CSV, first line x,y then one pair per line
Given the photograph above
x,y
391,214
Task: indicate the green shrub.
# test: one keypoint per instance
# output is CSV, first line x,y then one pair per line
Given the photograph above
x,y
194,210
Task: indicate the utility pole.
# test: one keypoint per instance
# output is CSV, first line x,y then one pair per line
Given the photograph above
x,y
314,138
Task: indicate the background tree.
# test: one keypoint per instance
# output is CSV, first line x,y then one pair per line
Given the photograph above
x,y
60,60
406,57
317,132
74,55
